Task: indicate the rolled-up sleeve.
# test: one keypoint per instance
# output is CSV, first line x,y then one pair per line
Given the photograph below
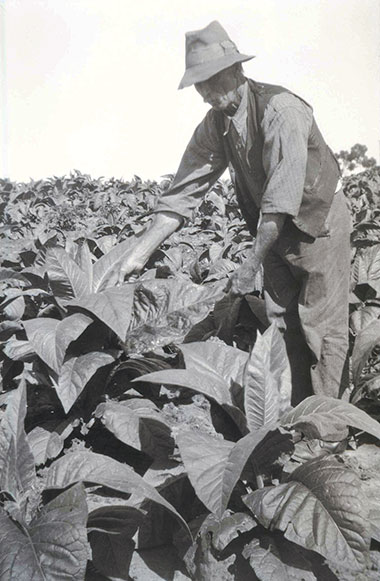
x,y
202,164
286,127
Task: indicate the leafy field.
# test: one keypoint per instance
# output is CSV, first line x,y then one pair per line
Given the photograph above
x,y
146,431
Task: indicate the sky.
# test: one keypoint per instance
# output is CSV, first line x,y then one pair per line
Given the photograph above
x,y
92,84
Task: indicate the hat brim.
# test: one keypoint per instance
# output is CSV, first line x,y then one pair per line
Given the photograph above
x,y
204,71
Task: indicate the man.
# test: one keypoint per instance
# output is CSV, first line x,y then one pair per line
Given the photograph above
x,y
288,189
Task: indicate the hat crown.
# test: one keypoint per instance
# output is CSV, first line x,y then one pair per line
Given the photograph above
x,y
208,43
208,51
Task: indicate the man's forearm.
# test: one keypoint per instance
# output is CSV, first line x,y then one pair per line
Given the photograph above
x,y
162,226
267,234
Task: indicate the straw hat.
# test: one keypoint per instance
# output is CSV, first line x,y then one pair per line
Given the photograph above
x,y
209,51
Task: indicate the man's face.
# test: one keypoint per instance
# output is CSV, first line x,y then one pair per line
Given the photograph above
x,y
220,91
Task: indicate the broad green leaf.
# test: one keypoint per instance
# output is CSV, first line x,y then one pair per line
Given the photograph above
x,y
266,380
84,261
362,317
226,313
163,472
321,508
215,465
7,274
14,309
367,339
112,554
106,269
261,393
227,528
17,471
322,417
205,458
223,360
279,365
66,278
9,328
220,269
139,426
75,374
115,519
50,338
274,558
210,368
46,445
87,466
257,306
52,547
204,382
164,310
18,350
274,444
111,530
112,306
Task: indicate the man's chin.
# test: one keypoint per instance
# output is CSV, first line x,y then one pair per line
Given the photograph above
x,y
230,110
223,108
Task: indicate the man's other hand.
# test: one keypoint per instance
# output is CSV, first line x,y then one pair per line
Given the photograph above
x,y
242,281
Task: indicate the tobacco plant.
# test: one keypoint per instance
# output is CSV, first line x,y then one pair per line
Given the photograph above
x,y
147,427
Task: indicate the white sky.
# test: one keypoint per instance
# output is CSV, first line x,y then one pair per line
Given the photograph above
x,y
92,84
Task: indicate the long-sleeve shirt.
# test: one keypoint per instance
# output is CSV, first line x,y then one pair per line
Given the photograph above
x,y
285,128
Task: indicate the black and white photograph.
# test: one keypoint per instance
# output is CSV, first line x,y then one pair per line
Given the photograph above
x,y
189,290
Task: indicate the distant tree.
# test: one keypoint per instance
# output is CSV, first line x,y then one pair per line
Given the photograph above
x,y
355,160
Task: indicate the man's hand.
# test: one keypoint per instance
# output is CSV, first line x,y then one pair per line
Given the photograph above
x,y
130,265
242,280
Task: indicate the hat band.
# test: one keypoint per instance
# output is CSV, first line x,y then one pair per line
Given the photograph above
x,y
200,55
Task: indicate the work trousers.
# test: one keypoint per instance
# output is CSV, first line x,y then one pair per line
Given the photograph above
x,y
306,283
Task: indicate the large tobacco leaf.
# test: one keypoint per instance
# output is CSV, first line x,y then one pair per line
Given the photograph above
x,y
85,466
76,373
65,276
227,528
164,310
206,459
19,350
111,530
324,417
52,547
367,339
115,519
17,471
47,444
263,374
112,306
321,508
83,258
361,318
274,558
214,465
210,369
226,313
139,424
50,338
112,554
7,274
